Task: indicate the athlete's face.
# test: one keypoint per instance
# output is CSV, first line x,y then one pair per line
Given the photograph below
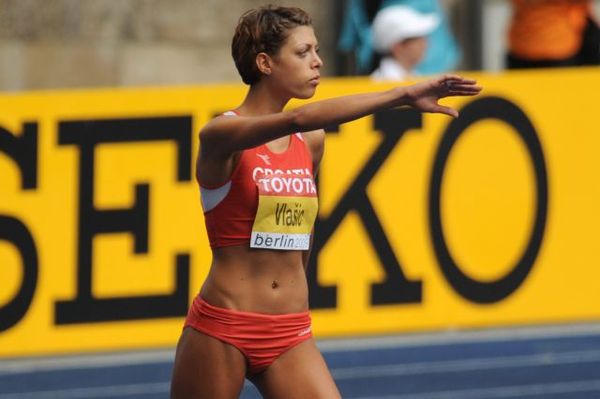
x,y
296,68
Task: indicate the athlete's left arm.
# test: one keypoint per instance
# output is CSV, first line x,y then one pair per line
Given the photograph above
x,y
315,141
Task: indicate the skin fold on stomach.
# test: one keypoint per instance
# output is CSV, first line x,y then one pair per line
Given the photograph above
x,y
256,280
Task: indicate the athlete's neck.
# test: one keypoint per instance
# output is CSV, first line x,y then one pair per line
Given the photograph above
x,y
260,100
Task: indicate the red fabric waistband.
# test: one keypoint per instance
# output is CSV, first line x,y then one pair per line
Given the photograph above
x,y
216,311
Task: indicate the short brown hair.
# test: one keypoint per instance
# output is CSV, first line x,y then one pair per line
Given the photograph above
x,y
263,30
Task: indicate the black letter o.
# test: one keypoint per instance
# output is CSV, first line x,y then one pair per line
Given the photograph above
x,y
477,291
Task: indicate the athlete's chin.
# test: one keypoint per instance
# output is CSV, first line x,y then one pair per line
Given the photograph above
x,y
305,93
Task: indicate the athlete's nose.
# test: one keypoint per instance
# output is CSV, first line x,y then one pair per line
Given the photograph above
x,y
318,62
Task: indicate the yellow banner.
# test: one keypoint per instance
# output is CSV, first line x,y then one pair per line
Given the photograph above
x,y
425,222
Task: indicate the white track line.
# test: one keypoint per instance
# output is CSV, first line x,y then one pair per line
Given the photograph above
x,y
510,391
95,392
84,361
460,336
490,363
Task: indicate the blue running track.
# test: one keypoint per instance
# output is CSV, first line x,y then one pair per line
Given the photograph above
x,y
549,363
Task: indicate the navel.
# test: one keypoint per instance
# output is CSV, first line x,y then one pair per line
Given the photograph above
x,y
274,284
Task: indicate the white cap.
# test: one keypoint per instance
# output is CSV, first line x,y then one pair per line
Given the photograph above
x,y
396,23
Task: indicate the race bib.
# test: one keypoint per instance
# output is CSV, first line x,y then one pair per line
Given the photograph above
x,y
287,209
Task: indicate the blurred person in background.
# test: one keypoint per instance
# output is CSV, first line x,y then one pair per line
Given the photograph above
x,y
442,53
552,33
400,37
256,168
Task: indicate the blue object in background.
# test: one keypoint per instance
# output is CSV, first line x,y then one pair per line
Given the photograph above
x,y
355,35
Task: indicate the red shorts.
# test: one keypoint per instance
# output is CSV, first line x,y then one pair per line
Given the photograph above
x,y
262,338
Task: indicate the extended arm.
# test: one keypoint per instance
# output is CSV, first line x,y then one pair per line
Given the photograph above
x,y
227,135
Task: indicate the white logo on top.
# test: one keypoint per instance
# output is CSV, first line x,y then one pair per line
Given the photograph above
x,y
304,332
265,158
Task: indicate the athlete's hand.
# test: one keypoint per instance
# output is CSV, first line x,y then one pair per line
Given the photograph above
x,y
424,96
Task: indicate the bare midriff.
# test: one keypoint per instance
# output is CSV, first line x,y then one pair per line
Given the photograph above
x,y
257,280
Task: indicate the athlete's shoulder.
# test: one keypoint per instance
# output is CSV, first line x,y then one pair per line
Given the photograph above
x,y
218,125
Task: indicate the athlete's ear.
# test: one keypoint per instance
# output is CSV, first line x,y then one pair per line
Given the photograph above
x,y
264,63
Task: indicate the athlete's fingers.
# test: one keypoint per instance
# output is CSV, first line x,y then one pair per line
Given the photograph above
x,y
468,81
455,78
463,85
463,92
450,76
464,89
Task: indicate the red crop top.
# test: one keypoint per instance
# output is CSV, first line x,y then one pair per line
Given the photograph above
x,y
269,202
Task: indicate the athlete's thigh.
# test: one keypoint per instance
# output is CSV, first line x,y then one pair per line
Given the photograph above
x,y
299,373
206,368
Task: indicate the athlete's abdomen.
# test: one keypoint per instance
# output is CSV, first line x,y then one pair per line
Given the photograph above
x,y
256,280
